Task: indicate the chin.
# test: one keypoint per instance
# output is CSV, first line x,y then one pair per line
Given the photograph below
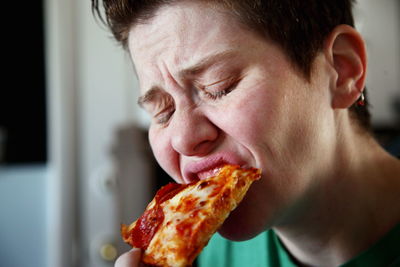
x,y
243,223
253,216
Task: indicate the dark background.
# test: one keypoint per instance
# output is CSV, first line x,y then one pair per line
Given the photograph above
x,y
23,93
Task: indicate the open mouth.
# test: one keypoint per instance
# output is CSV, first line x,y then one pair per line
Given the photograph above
x,y
209,173
209,166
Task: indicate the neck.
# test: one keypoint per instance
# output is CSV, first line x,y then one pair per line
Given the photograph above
x,y
350,210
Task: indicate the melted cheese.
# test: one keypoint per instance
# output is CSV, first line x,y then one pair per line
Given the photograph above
x,y
195,213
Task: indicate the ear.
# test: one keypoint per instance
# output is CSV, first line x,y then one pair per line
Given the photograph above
x,y
345,50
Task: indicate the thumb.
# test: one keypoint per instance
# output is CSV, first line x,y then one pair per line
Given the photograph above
x,y
129,259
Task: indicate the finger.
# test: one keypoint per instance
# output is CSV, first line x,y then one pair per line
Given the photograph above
x,y
129,259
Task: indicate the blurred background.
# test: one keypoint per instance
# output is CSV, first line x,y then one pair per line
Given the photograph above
x,y
74,157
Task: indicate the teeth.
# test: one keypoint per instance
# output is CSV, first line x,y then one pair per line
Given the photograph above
x,y
209,173
216,171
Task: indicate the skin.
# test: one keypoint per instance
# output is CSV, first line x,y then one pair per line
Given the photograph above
x,y
219,93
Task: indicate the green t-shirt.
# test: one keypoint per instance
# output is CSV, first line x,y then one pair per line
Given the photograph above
x,y
266,250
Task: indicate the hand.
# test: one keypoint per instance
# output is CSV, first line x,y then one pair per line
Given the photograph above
x,y
130,259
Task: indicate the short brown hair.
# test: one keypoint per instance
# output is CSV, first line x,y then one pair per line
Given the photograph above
x,y
298,26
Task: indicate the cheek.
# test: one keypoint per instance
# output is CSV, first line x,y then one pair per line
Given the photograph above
x,y
164,154
247,116
157,145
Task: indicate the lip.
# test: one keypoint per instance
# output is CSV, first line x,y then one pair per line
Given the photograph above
x,y
192,170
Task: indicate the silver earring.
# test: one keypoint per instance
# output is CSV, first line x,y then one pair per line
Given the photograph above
x,y
361,100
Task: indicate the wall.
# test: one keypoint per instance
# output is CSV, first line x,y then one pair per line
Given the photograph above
x,y
379,22
107,93
23,216
92,94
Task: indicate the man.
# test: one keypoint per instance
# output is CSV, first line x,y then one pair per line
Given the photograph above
x,y
277,85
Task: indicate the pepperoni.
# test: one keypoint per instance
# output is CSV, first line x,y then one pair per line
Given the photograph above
x,y
168,191
147,225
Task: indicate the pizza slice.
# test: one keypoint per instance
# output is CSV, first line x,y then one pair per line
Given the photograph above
x,y
181,219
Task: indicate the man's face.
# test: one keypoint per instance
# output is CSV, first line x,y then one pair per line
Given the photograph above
x,y
218,93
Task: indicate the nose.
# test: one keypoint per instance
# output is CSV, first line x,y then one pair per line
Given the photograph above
x,y
192,133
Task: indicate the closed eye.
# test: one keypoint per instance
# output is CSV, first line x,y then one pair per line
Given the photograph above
x,y
164,115
159,104
220,88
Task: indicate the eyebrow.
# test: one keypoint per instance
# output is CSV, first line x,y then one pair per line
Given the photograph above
x,y
149,96
197,68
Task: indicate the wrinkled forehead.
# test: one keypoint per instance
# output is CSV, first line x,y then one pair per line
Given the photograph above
x,y
179,25
181,34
